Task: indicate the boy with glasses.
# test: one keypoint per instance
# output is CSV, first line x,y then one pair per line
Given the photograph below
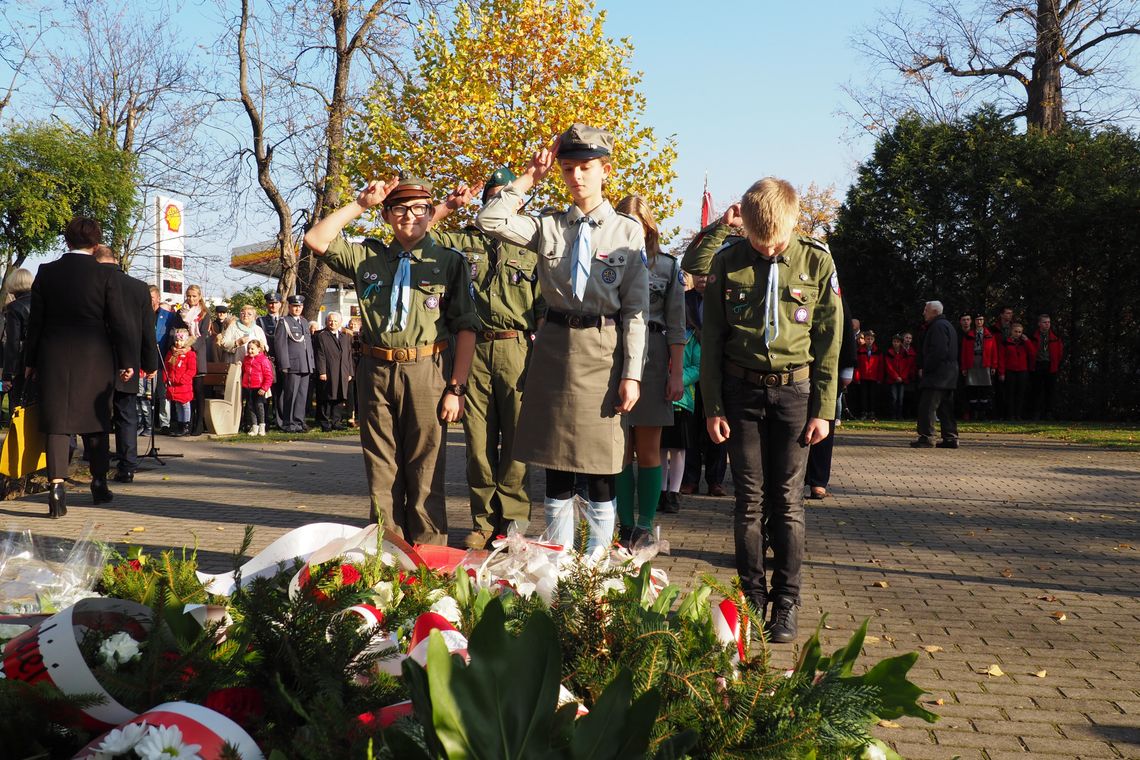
x,y
414,294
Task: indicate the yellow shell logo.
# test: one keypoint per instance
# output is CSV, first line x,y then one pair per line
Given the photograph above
x,y
173,217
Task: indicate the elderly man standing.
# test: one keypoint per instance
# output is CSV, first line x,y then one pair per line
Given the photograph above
x,y
332,348
293,352
938,377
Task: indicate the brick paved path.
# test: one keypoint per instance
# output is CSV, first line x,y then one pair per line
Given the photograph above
x,y
976,548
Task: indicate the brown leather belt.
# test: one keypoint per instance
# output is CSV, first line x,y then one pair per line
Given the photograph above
x,y
767,379
579,321
415,353
483,336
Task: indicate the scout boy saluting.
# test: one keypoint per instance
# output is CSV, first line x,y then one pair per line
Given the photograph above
x,y
769,375
504,287
414,293
588,355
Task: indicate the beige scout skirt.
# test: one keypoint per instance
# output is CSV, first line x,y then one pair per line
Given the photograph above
x,y
652,409
567,421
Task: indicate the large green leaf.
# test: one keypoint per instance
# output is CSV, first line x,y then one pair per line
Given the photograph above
x,y
897,695
614,728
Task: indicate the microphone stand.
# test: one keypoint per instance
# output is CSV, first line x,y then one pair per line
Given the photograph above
x,y
152,452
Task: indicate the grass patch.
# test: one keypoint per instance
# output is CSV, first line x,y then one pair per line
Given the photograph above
x,y
1111,435
276,436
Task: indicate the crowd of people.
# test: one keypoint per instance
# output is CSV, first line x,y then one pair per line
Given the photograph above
x,y
1005,372
566,340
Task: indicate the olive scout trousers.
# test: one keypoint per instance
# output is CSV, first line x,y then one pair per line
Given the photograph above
x,y
496,482
404,444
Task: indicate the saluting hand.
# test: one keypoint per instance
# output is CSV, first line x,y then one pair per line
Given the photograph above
x,y
543,160
462,195
732,216
376,191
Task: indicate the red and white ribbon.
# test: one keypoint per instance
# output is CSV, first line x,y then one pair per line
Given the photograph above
x,y
730,629
209,729
425,624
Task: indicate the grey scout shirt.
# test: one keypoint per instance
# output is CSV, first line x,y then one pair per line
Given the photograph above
x,y
619,280
667,297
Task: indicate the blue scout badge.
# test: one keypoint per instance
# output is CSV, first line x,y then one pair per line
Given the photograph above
x,y
801,315
609,276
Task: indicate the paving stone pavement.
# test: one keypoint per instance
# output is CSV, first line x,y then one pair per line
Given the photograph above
x,y
972,551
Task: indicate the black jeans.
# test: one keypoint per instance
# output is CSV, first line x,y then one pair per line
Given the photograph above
x,y
1014,391
712,456
940,402
254,412
126,417
1042,389
768,459
819,460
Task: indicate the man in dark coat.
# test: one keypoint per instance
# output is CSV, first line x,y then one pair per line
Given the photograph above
x,y
293,351
268,324
332,348
138,318
938,377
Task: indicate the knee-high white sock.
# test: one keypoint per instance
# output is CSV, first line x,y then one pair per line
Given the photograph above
x,y
560,522
676,470
600,515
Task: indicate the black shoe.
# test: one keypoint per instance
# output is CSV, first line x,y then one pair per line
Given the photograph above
x,y
99,491
125,476
57,500
922,443
625,536
637,535
783,626
949,443
670,503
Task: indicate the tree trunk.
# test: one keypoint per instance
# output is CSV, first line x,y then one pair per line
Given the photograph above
x,y
1044,104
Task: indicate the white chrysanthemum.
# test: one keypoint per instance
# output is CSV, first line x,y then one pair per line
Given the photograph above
x,y
118,649
119,741
164,743
449,609
873,752
386,595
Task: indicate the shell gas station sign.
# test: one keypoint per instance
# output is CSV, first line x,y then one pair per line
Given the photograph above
x,y
170,251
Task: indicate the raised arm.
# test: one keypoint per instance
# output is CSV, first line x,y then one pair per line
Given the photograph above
x,y
321,235
501,219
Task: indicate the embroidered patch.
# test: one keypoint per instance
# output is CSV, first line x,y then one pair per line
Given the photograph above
x,y
474,271
803,277
609,276
680,276
654,296
425,283
801,315
797,293
835,284
431,302
515,277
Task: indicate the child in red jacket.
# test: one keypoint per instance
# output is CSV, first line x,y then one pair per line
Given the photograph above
x,y
978,362
181,366
869,367
897,374
1015,355
256,380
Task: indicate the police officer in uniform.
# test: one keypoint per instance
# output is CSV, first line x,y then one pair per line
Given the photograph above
x,y
769,373
588,355
414,296
504,286
293,351
268,324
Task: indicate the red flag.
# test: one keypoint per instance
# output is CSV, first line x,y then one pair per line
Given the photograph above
x,y
706,205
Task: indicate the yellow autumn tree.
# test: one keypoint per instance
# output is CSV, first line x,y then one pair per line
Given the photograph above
x,y
818,210
489,93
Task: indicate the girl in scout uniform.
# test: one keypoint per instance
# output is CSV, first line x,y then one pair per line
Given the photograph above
x,y
585,370
660,380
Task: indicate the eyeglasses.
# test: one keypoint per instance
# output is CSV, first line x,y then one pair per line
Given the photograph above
x,y
419,210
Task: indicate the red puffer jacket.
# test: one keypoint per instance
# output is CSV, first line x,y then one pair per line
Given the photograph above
x,y
1056,350
869,365
989,351
180,371
1014,356
900,366
256,372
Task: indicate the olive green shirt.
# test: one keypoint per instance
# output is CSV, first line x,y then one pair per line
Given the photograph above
x,y
699,253
506,295
810,316
441,294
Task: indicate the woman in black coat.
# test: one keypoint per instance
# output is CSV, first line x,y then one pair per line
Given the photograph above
x,y
16,333
75,329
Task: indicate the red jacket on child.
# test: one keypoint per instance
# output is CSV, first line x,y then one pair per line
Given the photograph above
x,y
989,350
1014,356
1056,350
869,365
256,372
901,366
180,371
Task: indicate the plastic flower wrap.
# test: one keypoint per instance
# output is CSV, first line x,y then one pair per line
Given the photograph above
x,y
38,574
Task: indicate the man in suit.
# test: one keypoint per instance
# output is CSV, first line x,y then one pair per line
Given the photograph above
x,y
268,324
139,326
293,351
332,347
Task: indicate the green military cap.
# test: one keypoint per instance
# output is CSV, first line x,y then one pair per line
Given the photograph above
x,y
501,177
409,188
583,141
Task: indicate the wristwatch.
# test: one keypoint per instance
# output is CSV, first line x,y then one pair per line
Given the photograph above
x,y
457,389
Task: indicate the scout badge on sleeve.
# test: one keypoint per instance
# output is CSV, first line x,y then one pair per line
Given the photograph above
x,y
835,283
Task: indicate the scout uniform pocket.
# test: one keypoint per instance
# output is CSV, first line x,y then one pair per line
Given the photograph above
x,y
799,301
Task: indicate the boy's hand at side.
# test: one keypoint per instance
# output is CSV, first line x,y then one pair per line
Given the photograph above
x,y
817,429
718,428
451,408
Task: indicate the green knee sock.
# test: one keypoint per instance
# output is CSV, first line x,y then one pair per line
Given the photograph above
x,y
648,495
623,494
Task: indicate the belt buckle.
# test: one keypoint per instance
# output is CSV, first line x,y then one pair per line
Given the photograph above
x,y
488,335
400,354
575,321
771,380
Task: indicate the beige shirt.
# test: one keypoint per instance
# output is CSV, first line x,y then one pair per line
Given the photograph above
x,y
619,280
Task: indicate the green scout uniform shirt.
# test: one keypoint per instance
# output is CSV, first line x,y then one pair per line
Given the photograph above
x,y
441,298
507,296
810,313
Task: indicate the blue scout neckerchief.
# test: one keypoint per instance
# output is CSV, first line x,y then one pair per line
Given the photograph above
x,y
772,304
581,252
401,302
